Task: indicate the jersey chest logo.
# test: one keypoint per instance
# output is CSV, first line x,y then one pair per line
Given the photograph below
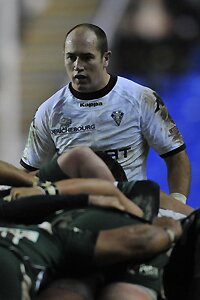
x,y
117,116
65,121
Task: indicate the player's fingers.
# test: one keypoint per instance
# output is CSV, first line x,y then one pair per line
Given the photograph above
x,y
14,194
114,202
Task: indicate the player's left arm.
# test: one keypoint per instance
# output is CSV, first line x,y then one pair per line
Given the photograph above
x,y
170,203
165,138
13,176
179,172
99,190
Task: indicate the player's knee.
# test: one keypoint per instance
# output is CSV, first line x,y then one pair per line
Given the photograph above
x,y
81,152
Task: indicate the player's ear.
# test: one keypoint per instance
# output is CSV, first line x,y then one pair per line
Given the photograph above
x,y
106,58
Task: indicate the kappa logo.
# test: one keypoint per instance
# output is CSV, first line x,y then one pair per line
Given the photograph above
x,y
91,104
117,116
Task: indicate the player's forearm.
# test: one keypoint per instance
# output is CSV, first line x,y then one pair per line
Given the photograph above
x,y
136,242
94,187
179,173
36,209
168,202
89,186
10,175
97,187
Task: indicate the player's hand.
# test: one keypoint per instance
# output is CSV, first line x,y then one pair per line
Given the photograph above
x,y
16,193
120,202
169,223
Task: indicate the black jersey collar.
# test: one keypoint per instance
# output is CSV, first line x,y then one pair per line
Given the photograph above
x,y
94,95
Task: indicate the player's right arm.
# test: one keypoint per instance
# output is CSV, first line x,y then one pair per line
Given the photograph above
x,y
136,242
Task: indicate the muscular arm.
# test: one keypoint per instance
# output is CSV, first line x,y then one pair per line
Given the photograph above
x,y
36,209
98,187
95,186
178,167
10,175
135,242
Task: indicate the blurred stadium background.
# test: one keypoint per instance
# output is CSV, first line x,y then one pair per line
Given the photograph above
x,y
154,42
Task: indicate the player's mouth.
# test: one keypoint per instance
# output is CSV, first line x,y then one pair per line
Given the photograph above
x,y
80,77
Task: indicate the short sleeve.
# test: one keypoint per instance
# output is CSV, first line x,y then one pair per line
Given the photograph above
x,y
158,127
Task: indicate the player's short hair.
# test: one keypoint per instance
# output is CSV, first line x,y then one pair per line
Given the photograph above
x,y
102,42
115,168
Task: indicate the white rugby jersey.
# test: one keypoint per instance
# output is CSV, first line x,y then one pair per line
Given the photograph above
x,y
123,119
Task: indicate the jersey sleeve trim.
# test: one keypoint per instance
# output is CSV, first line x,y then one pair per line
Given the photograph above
x,y
28,167
175,151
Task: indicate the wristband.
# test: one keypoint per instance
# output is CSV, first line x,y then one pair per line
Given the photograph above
x,y
180,197
171,235
49,188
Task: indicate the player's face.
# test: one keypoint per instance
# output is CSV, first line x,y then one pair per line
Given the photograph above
x,y
84,63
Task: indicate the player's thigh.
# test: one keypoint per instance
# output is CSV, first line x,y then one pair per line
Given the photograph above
x,y
126,291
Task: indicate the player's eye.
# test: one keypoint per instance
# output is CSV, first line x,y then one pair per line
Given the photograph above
x,y
87,57
71,57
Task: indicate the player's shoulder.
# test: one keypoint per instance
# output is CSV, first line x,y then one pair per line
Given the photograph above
x,y
55,100
58,96
132,88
